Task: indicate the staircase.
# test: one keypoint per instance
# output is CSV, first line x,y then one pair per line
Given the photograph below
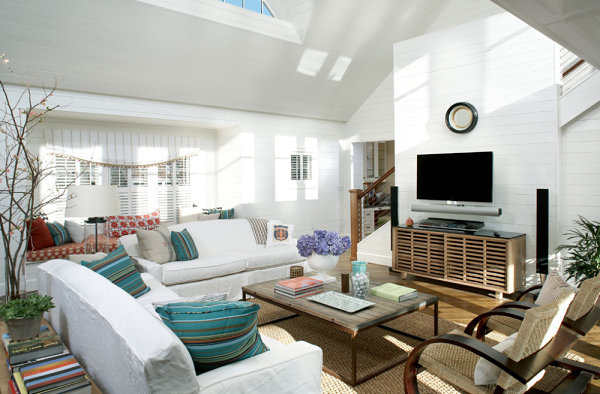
x,y
377,247
580,88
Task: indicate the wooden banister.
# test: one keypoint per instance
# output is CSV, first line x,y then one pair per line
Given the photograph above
x,y
356,196
377,182
573,67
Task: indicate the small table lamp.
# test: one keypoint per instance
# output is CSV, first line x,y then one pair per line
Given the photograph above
x,y
95,202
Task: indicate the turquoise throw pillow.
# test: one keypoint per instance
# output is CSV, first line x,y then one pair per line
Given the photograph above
x,y
215,333
119,269
59,233
184,245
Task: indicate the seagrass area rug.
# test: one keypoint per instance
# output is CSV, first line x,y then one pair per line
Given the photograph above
x,y
375,347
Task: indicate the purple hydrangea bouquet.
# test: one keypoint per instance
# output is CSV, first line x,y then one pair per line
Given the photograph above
x,y
322,250
323,242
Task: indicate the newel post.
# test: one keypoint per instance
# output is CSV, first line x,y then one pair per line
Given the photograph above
x,y
355,212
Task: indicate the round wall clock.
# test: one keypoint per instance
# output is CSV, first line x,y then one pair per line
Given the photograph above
x,y
461,117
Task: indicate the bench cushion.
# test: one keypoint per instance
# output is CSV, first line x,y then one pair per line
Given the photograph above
x,y
64,251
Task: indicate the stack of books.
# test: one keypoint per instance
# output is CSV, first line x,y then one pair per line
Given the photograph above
x,y
50,375
301,286
43,365
394,292
30,349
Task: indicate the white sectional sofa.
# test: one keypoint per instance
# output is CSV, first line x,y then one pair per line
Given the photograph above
x,y
125,349
229,258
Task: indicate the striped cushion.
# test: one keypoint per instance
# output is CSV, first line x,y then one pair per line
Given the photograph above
x,y
259,228
215,333
60,235
118,268
184,245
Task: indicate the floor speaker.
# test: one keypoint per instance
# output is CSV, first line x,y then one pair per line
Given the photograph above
x,y
541,232
394,204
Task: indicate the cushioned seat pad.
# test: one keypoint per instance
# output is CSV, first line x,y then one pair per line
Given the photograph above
x,y
202,268
268,257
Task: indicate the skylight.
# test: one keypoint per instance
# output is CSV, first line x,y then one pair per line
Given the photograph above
x,y
253,5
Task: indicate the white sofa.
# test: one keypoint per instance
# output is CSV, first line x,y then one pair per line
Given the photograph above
x,y
229,258
125,349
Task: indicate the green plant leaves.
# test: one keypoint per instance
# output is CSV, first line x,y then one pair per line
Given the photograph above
x,y
32,306
583,250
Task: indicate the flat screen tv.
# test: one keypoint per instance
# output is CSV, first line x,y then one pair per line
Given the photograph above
x,y
464,176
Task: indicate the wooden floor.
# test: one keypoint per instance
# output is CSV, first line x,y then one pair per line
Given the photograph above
x,y
460,304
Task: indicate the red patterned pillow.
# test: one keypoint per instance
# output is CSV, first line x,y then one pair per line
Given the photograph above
x,y
124,225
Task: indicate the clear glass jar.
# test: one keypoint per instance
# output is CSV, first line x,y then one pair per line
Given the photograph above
x,y
360,284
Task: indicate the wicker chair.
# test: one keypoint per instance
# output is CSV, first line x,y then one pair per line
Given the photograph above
x,y
541,342
581,316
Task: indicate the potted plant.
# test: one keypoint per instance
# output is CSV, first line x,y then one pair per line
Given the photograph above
x,y
23,315
583,250
322,250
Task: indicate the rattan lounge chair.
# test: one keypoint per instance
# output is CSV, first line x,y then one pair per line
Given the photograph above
x,y
540,344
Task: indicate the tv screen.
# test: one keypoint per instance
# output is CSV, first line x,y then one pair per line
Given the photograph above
x,y
456,176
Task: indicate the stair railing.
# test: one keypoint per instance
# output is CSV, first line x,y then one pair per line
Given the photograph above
x,y
356,204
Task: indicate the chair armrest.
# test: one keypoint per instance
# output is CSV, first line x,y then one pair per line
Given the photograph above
x,y
292,368
482,319
528,290
518,305
470,344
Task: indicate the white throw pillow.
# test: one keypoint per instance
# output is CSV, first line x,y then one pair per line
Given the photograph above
x,y
279,234
553,285
75,231
485,371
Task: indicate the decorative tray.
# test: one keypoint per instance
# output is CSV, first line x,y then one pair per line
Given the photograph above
x,y
341,301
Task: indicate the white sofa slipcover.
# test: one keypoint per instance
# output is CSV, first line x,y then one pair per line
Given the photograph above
x,y
228,258
125,349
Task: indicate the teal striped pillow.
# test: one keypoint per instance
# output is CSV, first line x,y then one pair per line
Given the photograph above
x,y
118,268
184,245
59,233
215,333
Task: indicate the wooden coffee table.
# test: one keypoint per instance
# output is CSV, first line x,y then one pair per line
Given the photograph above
x,y
352,323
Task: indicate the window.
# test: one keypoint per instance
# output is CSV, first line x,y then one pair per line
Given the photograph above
x,y
253,5
142,189
301,167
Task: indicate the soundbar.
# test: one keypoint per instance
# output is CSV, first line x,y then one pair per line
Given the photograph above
x,y
460,209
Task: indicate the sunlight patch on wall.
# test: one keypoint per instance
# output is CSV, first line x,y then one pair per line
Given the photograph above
x,y
285,188
311,62
411,104
339,68
248,168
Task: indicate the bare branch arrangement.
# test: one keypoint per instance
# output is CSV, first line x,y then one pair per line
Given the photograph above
x,y
21,175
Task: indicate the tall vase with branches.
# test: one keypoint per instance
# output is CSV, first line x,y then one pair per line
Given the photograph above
x,y
21,174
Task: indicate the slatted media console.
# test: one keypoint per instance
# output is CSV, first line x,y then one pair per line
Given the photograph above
x,y
486,259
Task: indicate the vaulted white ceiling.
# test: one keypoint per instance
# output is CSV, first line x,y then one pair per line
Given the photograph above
x,y
210,53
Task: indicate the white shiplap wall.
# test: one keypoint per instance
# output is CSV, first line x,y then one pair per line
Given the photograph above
x,y
374,120
580,170
506,70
